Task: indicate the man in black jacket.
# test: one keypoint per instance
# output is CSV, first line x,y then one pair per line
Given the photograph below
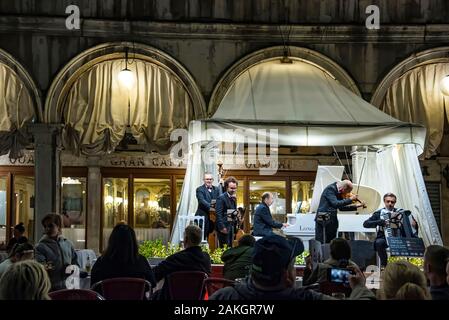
x,y
205,194
192,258
273,275
331,200
263,220
226,202
380,220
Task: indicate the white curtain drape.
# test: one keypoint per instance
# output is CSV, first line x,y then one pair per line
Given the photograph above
x,y
396,169
16,110
96,109
416,97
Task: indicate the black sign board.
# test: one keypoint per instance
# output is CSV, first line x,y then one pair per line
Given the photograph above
x,y
406,247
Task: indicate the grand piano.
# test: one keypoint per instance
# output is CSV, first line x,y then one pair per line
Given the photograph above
x,y
302,225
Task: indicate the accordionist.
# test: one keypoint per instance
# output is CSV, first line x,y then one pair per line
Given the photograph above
x,y
390,222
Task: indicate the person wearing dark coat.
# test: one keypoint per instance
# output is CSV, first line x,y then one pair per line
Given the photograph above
x,y
377,221
226,201
122,258
18,238
237,261
435,258
192,258
205,194
273,275
263,221
332,199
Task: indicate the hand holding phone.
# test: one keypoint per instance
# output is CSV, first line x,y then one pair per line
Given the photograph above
x,y
339,275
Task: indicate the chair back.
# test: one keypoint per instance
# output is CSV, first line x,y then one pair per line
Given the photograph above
x,y
75,294
213,284
186,285
123,288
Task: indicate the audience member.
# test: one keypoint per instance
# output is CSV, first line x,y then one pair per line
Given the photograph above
x,y
402,280
18,237
25,280
55,252
238,260
340,255
192,258
20,252
435,270
122,258
273,275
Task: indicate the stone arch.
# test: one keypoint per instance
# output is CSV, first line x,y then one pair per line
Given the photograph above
x,y
277,52
24,77
115,50
440,54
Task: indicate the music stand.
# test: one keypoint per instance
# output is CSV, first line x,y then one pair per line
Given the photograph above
x,y
323,217
232,217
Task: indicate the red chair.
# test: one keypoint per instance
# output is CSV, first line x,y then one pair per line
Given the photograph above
x,y
186,285
75,294
213,284
123,288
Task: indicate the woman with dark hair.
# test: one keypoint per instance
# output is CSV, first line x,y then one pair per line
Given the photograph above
x,y
121,258
19,231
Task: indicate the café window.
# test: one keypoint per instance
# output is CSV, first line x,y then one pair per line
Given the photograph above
x,y
301,196
23,203
3,192
74,207
152,202
115,197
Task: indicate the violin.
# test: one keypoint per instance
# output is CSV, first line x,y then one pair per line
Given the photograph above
x,y
348,195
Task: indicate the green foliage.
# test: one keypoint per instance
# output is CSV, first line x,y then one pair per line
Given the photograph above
x,y
419,262
216,255
155,249
301,259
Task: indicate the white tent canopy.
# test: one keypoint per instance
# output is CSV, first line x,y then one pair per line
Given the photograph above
x,y
306,106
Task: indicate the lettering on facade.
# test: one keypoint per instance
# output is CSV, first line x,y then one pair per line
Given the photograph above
x,y
128,162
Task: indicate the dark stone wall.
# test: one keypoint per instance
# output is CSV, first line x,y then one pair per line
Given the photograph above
x,y
246,11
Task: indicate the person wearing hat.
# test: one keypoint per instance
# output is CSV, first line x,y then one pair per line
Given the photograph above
x,y
273,275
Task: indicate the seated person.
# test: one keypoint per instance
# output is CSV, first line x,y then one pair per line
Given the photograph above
x,y
122,258
238,260
435,270
263,220
340,255
273,275
192,258
20,252
378,220
402,280
18,237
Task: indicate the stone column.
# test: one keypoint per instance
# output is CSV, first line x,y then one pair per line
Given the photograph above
x,y
444,202
47,173
94,202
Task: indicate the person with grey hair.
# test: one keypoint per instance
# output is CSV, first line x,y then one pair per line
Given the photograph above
x,y
331,200
192,258
25,280
263,220
207,195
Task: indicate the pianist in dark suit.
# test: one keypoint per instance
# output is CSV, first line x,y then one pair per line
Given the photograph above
x,y
205,194
226,201
331,200
263,221
380,221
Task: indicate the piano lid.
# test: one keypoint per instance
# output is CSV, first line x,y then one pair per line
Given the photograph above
x,y
325,175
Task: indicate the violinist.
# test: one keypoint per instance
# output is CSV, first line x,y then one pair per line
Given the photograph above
x,y
332,199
